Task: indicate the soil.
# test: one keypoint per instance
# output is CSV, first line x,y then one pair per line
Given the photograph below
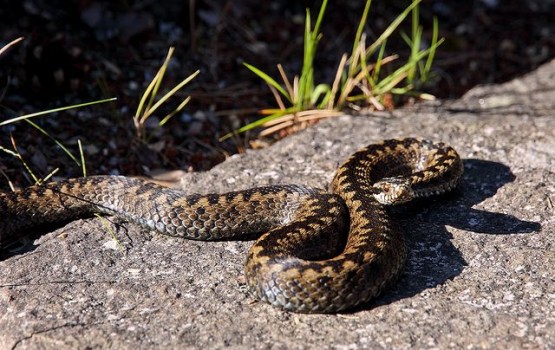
x,y
83,50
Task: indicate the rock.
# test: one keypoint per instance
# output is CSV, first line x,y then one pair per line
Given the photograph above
x,y
480,272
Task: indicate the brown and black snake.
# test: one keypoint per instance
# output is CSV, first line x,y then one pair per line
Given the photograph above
x,y
319,251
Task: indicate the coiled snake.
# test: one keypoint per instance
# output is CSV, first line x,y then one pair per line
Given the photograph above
x,y
321,251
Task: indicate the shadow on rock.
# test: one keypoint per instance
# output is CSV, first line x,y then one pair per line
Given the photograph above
x,y
432,257
24,243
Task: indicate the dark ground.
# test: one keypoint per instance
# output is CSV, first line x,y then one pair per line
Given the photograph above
x,y
78,51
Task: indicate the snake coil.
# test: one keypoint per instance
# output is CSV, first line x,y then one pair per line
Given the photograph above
x,y
320,251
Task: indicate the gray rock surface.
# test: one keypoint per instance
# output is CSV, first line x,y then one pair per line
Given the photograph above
x,y
481,270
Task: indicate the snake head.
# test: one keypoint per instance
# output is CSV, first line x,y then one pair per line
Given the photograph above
x,y
393,190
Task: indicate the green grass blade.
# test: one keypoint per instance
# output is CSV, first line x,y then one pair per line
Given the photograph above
x,y
305,79
170,93
8,151
316,30
358,36
415,43
416,28
259,122
175,111
373,79
47,177
158,81
391,28
32,115
109,229
312,37
83,166
17,155
415,49
10,44
322,93
141,107
269,80
64,148
433,47
389,82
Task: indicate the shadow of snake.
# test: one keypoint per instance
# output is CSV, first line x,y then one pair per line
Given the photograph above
x,y
433,259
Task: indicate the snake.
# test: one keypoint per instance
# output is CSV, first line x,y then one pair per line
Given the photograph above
x,y
318,251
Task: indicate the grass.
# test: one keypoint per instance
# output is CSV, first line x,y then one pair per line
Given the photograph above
x,y
15,153
108,229
301,93
367,77
420,69
357,83
147,106
10,44
27,118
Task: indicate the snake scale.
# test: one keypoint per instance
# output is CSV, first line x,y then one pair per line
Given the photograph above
x,y
320,251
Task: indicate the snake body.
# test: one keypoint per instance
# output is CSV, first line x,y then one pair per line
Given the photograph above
x,y
320,251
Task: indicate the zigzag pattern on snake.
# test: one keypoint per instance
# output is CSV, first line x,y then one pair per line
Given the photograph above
x,y
319,252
